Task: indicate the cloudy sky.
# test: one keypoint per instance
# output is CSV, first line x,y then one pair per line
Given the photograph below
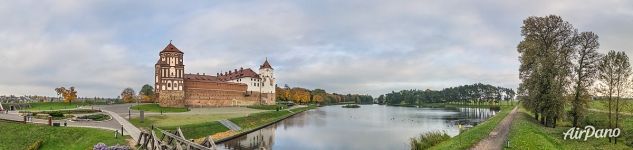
x,y
357,46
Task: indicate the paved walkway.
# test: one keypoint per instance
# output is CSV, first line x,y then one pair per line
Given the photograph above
x,y
498,135
230,125
109,124
132,130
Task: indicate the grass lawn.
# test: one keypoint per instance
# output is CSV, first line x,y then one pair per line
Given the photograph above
x,y
472,136
157,108
527,133
267,107
54,105
205,125
626,106
19,136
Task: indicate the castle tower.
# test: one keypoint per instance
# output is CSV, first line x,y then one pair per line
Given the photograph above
x,y
267,82
169,77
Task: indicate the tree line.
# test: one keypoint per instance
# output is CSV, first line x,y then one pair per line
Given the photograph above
x,y
561,66
303,96
466,94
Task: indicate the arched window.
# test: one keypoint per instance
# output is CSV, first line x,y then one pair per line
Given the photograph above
x,y
168,84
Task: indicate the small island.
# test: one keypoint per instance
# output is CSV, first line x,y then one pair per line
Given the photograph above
x,y
351,106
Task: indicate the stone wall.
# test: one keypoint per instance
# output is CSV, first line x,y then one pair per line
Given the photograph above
x,y
171,98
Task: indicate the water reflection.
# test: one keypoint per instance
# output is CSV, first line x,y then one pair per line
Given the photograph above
x,y
368,127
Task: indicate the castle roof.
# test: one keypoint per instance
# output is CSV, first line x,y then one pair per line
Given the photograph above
x,y
236,74
201,77
171,48
266,65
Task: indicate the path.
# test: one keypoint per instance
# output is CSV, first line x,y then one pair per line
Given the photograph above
x,y
498,135
230,125
127,126
109,124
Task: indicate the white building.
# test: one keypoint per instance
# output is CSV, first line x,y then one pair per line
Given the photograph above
x,y
264,82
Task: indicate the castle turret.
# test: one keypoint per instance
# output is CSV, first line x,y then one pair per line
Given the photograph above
x,y
169,74
267,82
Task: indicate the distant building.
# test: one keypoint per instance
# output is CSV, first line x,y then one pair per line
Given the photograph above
x,y
237,87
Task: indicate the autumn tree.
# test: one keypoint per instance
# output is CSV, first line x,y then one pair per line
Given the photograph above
x,y
147,93
128,95
614,72
69,95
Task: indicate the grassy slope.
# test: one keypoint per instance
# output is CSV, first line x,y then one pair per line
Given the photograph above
x,y
527,133
54,105
471,136
19,136
202,129
626,106
157,108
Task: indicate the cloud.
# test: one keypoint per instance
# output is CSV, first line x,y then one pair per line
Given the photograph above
x,y
369,46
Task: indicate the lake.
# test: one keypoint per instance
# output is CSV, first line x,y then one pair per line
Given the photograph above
x,y
368,127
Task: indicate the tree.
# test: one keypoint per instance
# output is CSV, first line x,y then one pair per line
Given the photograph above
x,y
545,54
614,72
147,93
69,95
128,95
585,69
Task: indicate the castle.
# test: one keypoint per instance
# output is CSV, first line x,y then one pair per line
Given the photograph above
x,y
238,87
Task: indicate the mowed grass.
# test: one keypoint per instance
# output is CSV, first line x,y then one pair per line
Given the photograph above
x,y
268,107
15,136
157,108
626,106
206,127
527,133
54,105
472,136
182,119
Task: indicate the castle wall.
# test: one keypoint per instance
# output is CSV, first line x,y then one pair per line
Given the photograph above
x,y
171,98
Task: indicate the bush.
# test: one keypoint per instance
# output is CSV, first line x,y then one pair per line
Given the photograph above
x,y
35,146
56,114
495,108
95,117
351,106
428,140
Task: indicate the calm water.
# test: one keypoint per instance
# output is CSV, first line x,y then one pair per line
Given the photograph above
x,y
368,127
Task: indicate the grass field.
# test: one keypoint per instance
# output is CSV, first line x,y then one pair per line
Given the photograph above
x,y
527,133
54,105
625,105
199,126
267,107
16,136
157,108
472,136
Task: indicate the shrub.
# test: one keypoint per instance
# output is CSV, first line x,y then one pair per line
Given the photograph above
x,y
428,140
95,117
495,108
351,106
56,114
35,146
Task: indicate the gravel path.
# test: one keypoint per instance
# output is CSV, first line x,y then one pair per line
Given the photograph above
x,y
498,135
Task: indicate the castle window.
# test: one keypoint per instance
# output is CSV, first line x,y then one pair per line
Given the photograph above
x,y
168,84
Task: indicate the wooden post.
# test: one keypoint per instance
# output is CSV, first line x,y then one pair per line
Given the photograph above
x,y
121,130
50,121
142,116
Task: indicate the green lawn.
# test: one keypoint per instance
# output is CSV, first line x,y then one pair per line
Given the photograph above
x,y
625,105
198,127
267,107
54,105
157,108
472,136
17,136
527,133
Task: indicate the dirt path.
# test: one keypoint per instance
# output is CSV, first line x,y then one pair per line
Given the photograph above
x,y
498,135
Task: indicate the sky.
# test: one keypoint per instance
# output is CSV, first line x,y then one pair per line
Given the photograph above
x,y
355,46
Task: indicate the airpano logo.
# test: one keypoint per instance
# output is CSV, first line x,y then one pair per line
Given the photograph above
x,y
590,131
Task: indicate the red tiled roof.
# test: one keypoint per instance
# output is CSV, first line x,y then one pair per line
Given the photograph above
x,y
200,77
235,74
171,48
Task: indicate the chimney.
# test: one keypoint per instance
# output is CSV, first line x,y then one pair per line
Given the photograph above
x,y
235,70
203,73
217,74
